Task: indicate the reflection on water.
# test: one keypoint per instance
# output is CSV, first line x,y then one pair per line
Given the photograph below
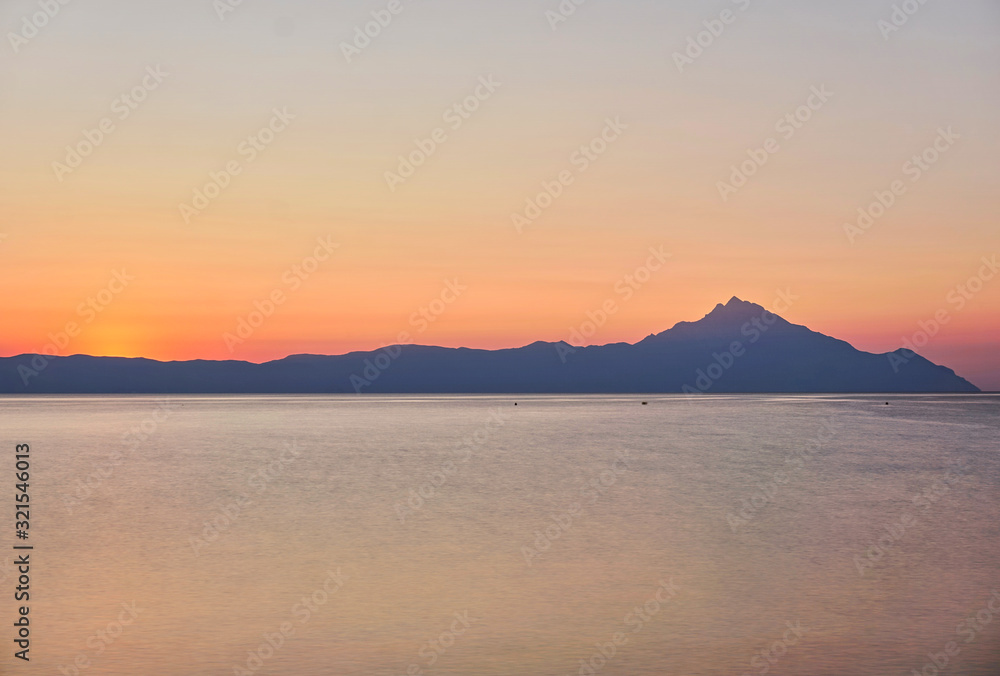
x,y
464,536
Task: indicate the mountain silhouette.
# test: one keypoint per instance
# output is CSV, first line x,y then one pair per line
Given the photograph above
x,y
739,347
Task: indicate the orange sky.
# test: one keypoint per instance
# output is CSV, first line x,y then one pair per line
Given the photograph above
x,y
653,181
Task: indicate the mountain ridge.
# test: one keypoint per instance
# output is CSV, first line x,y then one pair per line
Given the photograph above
x,y
738,347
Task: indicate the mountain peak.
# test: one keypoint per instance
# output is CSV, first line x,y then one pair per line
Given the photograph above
x,y
736,308
722,320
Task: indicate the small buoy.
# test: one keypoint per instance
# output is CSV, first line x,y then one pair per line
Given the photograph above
x,y
515,403
645,403
886,403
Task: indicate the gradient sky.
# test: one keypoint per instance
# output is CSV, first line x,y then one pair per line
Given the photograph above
x,y
656,185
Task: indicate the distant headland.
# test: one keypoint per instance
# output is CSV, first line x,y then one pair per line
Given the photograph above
x,y
739,347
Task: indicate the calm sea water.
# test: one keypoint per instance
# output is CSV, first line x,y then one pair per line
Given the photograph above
x,y
813,535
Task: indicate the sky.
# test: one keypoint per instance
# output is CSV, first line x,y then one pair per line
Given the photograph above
x,y
225,180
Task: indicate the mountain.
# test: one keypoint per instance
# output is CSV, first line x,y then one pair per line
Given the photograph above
x,y
738,347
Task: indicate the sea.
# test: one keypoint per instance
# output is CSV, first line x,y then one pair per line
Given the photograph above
x,y
502,535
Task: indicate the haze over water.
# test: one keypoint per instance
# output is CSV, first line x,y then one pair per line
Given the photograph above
x,y
639,502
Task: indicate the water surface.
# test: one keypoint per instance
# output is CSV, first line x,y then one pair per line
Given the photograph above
x,y
467,536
